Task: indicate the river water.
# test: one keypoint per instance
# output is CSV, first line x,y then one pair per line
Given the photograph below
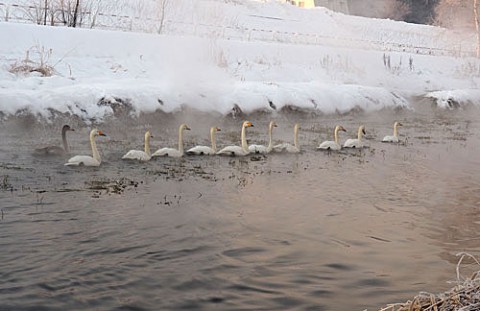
x,y
352,230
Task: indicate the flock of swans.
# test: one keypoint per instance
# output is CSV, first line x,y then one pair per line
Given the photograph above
x,y
242,150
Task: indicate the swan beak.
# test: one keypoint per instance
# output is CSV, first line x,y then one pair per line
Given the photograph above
x,y
249,124
275,125
187,128
343,129
73,130
219,129
400,124
100,133
364,132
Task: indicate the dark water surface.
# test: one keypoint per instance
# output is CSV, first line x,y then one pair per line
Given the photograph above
x,y
316,231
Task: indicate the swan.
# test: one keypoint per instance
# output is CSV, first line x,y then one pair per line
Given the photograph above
x,y
138,154
172,152
55,150
201,150
288,147
261,148
356,143
237,150
332,145
394,138
81,160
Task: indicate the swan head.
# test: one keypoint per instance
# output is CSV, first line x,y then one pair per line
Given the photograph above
x,y
340,128
148,134
96,132
273,124
362,130
247,124
67,128
184,127
297,126
397,124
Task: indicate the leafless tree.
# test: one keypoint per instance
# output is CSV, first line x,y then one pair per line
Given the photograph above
x,y
162,6
75,13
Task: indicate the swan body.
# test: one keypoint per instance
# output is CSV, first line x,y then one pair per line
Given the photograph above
x,y
286,147
172,152
356,143
138,154
82,160
238,150
394,137
55,150
205,150
261,148
332,145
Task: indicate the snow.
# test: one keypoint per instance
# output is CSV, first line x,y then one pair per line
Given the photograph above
x,y
217,55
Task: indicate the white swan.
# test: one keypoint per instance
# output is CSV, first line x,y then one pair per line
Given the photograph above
x,y
205,150
138,154
172,152
295,148
80,160
55,150
261,148
332,145
237,150
356,143
394,138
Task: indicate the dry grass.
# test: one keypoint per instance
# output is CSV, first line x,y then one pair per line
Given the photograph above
x,y
463,297
37,59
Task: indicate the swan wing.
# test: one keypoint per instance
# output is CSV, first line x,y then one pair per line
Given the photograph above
x,y
292,149
280,147
232,151
50,151
80,160
329,145
353,143
136,155
201,150
258,149
167,152
390,139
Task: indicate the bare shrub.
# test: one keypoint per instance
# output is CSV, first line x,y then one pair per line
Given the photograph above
x,y
37,59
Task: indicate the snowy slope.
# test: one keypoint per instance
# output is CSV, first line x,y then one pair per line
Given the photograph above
x,y
215,55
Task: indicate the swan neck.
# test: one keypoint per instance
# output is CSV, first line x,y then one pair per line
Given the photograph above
x,y
95,153
360,134
147,144
180,140
64,140
295,137
395,130
270,140
335,134
244,139
212,138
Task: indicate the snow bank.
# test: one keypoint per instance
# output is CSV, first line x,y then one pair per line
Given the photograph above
x,y
452,99
266,57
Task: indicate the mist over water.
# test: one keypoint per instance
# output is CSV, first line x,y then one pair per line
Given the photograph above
x,y
276,232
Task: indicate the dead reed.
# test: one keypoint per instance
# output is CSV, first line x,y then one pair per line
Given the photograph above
x,y
465,296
